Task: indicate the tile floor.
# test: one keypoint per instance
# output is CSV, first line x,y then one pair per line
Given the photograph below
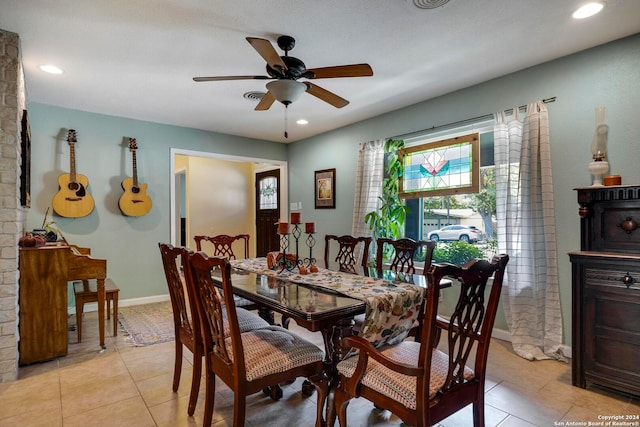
x,y
131,386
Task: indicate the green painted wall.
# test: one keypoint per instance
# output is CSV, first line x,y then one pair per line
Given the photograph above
x,y
130,244
603,76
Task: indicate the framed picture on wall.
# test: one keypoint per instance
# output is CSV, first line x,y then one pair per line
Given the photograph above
x,y
325,189
25,154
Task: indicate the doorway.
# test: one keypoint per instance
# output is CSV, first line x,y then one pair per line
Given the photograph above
x,y
257,165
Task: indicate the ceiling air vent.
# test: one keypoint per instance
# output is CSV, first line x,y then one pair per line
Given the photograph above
x,y
429,4
253,96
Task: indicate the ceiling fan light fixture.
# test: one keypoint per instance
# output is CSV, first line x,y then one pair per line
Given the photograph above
x,y
286,91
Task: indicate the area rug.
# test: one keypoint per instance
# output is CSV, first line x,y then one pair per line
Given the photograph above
x,y
147,324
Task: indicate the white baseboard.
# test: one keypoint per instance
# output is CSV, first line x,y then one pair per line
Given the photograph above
x,y
501,334
123,303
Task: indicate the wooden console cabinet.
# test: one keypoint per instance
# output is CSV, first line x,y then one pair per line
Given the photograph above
x,y
606,289
43,303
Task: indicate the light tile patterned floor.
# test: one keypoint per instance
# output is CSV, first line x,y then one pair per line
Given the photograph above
x,y
131,386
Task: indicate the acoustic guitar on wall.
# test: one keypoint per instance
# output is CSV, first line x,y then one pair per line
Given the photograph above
x,y
73,199
134,201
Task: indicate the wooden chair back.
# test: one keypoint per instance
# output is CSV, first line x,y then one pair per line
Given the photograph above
x,y
404,252
223,244
211,305
185,318
446,380
346,255
468,325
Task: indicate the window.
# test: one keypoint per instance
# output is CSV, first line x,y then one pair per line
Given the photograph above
x,y
268,193
460,205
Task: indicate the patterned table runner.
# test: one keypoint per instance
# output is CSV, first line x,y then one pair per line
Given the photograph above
x,y
391,306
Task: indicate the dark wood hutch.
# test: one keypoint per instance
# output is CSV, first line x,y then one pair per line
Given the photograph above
x,y
606,289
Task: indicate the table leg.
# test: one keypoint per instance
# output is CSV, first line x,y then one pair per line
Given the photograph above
x,y
333,346
101,300
266,314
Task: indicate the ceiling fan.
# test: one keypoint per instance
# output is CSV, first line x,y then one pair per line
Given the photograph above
x,y
285,72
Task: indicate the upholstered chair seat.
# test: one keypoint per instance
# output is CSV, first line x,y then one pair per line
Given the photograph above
x,y
274,350
395,385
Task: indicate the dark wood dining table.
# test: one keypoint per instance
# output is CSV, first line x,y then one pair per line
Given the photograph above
x,y
314,308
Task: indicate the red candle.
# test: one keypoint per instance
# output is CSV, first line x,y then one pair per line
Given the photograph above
x,y
310,227
295,217
283,228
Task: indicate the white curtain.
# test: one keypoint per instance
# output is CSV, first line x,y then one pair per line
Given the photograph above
x,y
368,188
526,231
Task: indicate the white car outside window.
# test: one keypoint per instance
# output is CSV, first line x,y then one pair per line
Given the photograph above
x,y
455,232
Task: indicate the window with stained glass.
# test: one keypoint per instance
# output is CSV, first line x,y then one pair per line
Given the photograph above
x,y
269,193
440,168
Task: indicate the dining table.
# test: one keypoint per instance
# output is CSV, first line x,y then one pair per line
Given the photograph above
x,y
327,301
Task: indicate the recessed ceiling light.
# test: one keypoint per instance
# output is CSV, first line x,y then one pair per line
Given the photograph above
x,y
303,122
51,69
588,10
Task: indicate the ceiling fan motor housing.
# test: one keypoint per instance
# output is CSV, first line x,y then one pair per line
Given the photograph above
x,y
295,69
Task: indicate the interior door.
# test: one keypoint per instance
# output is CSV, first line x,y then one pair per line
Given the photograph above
x,y
267,211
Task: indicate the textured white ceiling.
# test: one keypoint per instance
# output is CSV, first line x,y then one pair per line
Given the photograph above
x,y
136,58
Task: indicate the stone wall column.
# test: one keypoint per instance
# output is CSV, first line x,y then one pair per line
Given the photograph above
x,y
12,215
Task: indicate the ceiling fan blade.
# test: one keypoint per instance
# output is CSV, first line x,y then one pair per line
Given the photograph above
x,y
268,52
266,102
326,96
355,70
221,78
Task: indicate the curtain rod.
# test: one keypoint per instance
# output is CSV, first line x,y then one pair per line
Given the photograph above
x,y
465,121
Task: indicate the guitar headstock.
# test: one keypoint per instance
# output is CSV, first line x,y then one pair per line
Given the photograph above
x,y
71,136
133,145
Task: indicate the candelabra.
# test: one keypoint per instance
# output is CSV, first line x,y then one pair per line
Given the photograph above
x,y
287,263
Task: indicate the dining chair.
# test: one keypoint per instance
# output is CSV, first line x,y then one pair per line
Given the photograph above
x,y
403,261
187,321
417,381
346,255
404,252
86,291
223,247
246,362
223,244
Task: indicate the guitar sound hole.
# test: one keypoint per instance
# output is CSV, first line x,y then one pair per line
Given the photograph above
x,y
73,186
81,191
135,190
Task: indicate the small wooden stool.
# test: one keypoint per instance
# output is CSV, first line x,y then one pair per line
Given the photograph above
x,y
86,291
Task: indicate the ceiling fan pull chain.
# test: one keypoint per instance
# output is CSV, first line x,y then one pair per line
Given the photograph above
x,y
286,109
